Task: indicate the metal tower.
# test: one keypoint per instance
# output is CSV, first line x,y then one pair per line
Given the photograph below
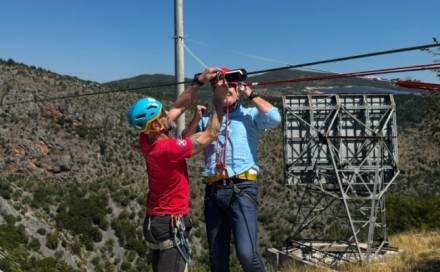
x,y
341,152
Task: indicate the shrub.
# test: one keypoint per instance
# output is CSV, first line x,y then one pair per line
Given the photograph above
x,y
34,244
11,237
41,231
52,241
406,213
5,189
80,214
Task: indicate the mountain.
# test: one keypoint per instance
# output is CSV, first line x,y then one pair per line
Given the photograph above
x,y
73,183
167,89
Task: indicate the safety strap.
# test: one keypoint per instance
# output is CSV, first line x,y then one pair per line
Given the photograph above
x,y
164,245
240,192
246,175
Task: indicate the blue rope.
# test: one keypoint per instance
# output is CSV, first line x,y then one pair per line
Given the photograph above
x,y
180,241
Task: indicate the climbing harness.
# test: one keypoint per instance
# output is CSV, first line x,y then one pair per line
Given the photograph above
x,y
180,241
221,172
248,175
156,245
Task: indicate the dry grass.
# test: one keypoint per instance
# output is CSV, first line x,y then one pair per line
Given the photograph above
x,y
418,252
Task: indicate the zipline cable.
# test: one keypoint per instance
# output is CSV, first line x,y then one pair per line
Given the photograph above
x,y
88,94
432,66
420,47
258,72
289,66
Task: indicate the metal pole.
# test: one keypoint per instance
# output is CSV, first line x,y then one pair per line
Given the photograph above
x,y
178,54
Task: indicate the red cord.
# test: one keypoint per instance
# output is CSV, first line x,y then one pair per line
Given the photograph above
x,y
222,165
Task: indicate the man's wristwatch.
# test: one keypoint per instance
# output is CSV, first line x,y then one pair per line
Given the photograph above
x,y
253,95
197,81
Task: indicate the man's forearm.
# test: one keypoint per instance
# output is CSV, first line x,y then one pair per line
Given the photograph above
x,y
215,120
189,94
202,139
190,129
261,104
185,99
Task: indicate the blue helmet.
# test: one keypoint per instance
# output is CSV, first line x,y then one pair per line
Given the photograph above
x,y
143,112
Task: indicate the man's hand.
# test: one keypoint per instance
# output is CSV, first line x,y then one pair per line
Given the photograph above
x,y
208,74
188,96
199,112
244,90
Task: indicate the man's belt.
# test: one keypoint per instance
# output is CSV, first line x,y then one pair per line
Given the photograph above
x,y
244,176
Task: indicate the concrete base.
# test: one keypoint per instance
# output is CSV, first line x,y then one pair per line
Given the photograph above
x,y
320,254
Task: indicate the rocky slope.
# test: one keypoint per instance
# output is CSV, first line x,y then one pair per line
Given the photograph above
x,y
58,152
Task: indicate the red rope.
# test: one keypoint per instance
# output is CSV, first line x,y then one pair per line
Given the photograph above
x,y
432,66
418,85
222,165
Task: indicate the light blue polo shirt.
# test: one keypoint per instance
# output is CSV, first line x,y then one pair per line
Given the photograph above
x,y
245,127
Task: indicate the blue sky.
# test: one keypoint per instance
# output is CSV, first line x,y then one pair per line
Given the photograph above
x,y
110,40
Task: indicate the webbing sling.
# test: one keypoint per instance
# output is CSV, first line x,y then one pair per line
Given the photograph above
x,y
164,245
179,239
240,192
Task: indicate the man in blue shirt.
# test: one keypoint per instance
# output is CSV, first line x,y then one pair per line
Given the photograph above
x,y
230,174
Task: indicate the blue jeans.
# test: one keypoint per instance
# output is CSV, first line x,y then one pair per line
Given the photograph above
x,y
232,208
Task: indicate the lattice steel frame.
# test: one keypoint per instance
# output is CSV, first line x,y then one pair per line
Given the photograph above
x,y
343,150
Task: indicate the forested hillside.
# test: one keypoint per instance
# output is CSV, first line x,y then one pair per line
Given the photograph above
x,y
73,183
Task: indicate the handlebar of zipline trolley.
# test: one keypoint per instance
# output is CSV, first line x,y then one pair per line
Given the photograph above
x,y
238,75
